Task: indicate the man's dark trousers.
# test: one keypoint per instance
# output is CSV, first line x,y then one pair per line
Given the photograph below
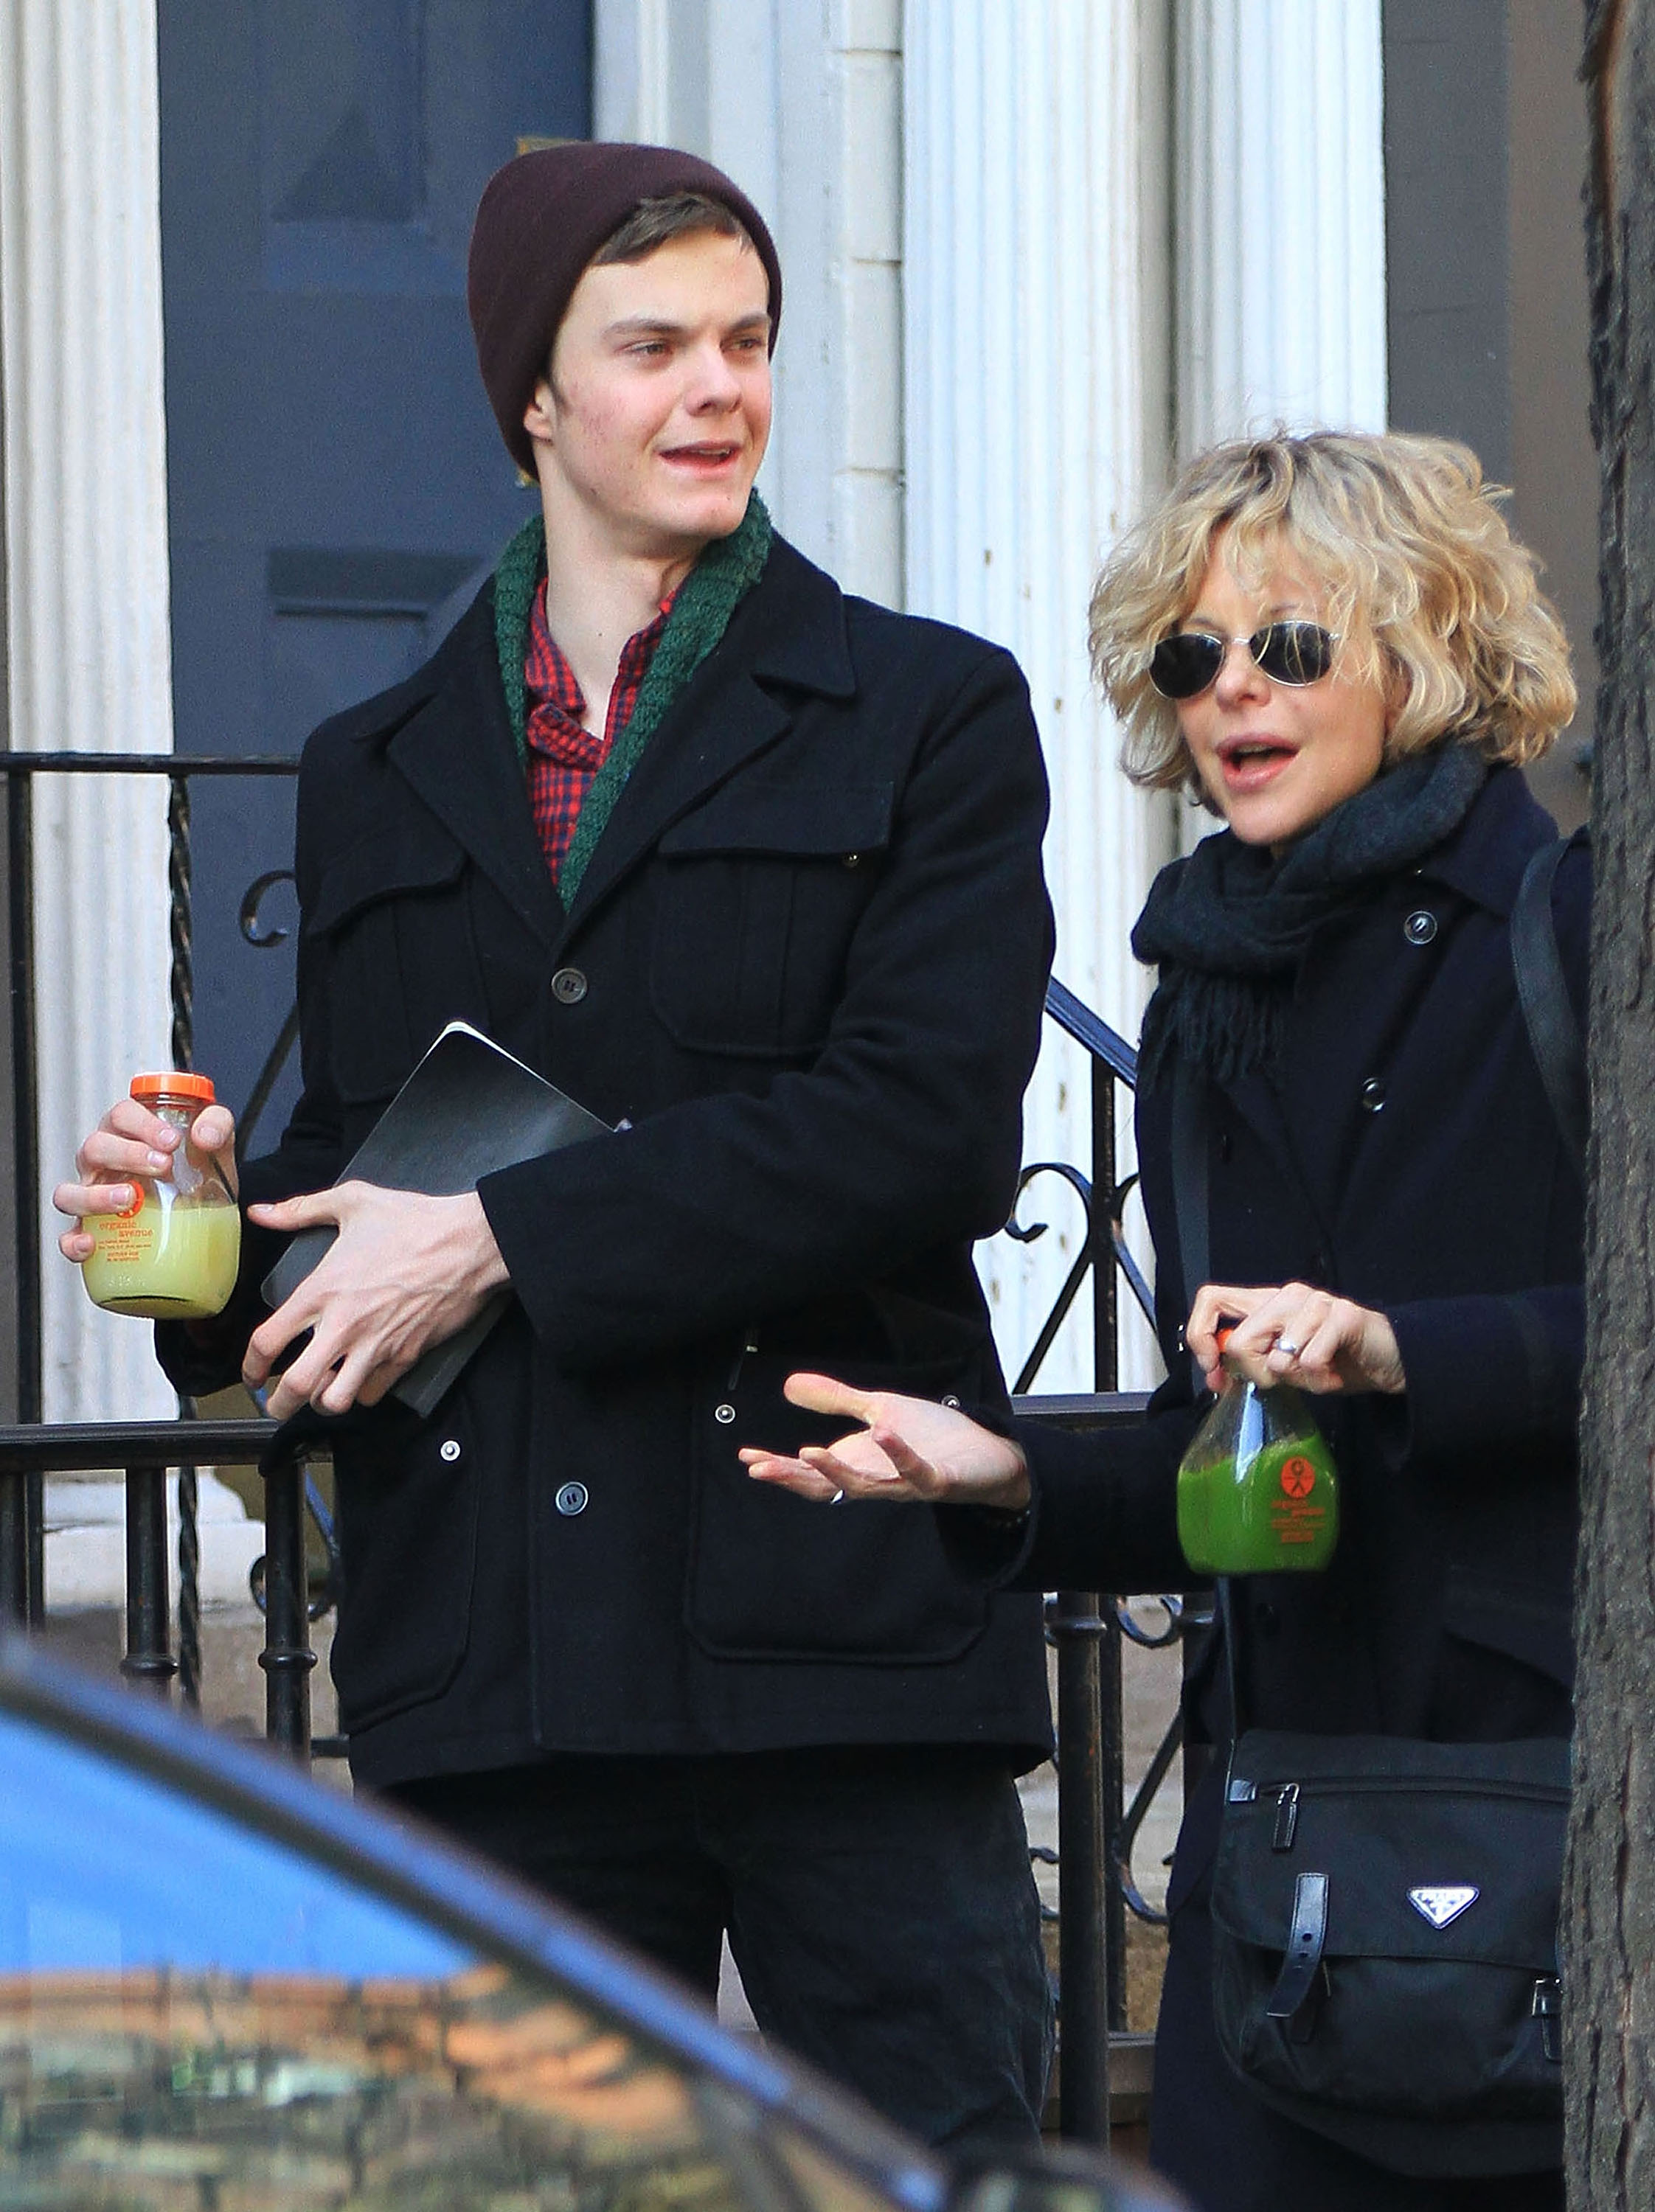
x,y
865,1892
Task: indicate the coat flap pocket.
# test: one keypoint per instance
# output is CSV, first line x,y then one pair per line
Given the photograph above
x,y
748,815
1431,1851
409,857
1533,1626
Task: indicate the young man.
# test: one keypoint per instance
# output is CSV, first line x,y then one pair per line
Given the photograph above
x,y
753,872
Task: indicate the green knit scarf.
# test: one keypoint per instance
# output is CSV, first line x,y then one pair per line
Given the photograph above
x,y
726,571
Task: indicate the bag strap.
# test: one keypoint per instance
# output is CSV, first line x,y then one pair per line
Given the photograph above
x,y
1192,1212
1542,992
1192,1199
1305,1938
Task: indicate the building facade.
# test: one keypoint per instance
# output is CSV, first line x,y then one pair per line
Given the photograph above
x,y
1036,250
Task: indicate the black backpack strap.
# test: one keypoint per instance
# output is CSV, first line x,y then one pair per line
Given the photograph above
x,y
1542,992
1190,1195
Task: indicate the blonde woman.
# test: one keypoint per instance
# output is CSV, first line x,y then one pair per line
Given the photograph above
x,y
1335,642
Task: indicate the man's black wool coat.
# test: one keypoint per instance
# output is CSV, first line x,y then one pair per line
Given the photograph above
x,y
805,970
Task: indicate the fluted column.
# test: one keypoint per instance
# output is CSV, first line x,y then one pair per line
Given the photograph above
x,y
86,595
801,104
1279,225
1036,416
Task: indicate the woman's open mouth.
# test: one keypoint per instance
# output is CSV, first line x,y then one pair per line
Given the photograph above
x,y
1249,764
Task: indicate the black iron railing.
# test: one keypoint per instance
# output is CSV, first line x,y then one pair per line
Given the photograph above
x,y
1096,1830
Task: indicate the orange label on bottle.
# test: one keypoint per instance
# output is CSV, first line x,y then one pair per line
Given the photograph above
x,y
1298,1477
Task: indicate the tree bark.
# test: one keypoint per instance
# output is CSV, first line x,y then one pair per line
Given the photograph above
x,y
1609,1917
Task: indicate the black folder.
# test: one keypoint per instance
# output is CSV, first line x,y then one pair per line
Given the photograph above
x,y
469,1109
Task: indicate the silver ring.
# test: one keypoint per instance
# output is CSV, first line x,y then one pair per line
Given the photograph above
x,y
837,1499
1285,1344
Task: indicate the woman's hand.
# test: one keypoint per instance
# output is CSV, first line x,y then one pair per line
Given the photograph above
x,y
909,1451
1295,1335
130,1141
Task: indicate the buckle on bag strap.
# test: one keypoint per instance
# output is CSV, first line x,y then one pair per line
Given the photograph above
x,y
1547,2007
1305,1939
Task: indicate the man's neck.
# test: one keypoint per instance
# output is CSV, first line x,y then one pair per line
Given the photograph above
x,y
597,596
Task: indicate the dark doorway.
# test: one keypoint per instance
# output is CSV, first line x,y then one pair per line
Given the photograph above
x,y
1485,137
337,487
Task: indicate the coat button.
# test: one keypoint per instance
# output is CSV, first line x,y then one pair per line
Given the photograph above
x,y
572,1498
569,986
1420,926
853,859
1373,1096
448,1449
725,1413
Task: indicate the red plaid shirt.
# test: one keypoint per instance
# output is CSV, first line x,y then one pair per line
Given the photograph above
x,y
564,755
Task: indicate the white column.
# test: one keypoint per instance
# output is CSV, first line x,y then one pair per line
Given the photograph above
x,y
799,101
87,596
1036,416
1280,216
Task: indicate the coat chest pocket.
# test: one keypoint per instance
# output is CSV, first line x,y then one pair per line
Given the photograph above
x,y
760,893
775,1577
390,912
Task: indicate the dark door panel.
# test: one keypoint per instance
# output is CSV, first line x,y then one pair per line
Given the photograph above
x,y
336,487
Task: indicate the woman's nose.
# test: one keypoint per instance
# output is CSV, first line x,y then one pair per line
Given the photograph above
x,y
1239,676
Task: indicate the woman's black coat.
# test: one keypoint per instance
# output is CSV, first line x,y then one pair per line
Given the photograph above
x,y
1405,1155
805,969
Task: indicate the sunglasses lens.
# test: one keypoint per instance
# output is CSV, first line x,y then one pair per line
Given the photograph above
x,y
1185,663
1293,652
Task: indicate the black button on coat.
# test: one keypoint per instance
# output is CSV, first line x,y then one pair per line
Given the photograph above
x,y
822,1068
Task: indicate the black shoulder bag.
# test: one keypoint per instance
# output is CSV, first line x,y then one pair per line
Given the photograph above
x,y
1385,1910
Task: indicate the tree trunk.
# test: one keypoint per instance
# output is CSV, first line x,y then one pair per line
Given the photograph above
x,y
1608,1916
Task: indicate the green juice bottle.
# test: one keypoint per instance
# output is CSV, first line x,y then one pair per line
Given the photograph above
x,y
1258,1492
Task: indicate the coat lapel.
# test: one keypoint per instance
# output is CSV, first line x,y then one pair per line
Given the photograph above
x,y
456,752
789,631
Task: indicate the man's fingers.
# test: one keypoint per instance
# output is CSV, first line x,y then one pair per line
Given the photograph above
x,y
821,1394
78,1200
315,1207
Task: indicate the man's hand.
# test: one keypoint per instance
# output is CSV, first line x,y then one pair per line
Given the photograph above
x,y
909,1451
130,1141
1296,1334
404,1273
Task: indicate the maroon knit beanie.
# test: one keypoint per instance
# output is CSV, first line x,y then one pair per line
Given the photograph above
x,y
540,221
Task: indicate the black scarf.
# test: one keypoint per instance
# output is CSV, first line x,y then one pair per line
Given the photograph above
x,y
1228,924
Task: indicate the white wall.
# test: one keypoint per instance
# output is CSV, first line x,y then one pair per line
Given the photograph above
x,y
86,597
1035,277
799,101
1280,163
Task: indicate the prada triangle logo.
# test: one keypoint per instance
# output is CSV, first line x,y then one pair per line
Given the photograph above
x,y
1440,1904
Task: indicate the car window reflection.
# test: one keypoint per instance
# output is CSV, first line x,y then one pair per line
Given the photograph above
x,y
192,2012
166,2088
101,1867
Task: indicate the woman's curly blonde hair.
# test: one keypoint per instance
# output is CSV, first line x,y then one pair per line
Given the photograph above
x,y
1414,567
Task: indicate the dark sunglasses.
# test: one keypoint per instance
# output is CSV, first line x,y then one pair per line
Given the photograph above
x,y
1183,666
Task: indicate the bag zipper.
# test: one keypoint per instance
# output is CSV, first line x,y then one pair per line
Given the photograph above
x,y
1287,1793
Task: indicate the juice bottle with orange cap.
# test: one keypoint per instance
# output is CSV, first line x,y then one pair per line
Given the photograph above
x,y
1258,1492
172,1255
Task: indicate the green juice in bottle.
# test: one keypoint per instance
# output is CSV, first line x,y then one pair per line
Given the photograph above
x,y
1258,1492
172,1255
